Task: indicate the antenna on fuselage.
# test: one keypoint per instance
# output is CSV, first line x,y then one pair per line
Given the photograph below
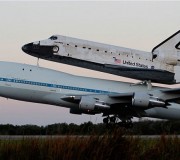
x,y
149,85
146,82
38,62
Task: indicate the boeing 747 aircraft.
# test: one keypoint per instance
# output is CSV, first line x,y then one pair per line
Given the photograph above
x,y
118,101
156,66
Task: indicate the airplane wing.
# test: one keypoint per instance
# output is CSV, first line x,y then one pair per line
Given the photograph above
x,y
135,100
174,91
104,102
120,97
101,103
171,95
123,106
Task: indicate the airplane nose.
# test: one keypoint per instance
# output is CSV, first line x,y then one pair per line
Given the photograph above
x,y
27,48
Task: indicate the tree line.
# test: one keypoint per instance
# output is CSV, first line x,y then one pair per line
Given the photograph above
x,y
146,127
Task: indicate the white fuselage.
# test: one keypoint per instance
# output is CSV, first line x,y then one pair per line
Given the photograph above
x,y
109,54
40,85
157,66
36,84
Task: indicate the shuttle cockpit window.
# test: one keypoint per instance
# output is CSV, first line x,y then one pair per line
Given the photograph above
x,y
53,38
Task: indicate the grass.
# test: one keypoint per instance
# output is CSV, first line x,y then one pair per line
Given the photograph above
x,y
109,146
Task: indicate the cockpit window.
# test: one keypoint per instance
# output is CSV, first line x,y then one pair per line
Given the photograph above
x,y
53,38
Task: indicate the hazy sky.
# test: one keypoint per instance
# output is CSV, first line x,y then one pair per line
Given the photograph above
x,y
138,25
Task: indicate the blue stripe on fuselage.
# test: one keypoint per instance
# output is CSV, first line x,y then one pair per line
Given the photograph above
x,y
53,85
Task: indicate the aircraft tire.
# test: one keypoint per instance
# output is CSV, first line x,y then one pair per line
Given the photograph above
x,y
113,119
106,120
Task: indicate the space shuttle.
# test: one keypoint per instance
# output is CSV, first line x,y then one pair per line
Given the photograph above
x,y
155,66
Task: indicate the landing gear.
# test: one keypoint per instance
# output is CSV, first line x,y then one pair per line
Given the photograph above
x,y
106,120
115,120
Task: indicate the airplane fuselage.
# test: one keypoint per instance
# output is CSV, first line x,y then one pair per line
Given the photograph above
x,y
40,85
36,84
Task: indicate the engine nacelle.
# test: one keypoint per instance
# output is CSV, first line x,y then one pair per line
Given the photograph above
x,y
87,103
90,103
141,100
146,101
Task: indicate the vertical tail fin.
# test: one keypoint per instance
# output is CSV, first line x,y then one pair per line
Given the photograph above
x,y
168,51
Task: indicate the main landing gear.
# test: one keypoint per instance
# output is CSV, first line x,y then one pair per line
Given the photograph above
x,y
115,120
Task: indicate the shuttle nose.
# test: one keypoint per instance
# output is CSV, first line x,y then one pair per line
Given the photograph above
x,y
38,50
27,48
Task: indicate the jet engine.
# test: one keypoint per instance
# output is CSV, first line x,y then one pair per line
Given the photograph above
x,y
147,101
89,103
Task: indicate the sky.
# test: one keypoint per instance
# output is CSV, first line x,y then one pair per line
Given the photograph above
x,y
138,25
